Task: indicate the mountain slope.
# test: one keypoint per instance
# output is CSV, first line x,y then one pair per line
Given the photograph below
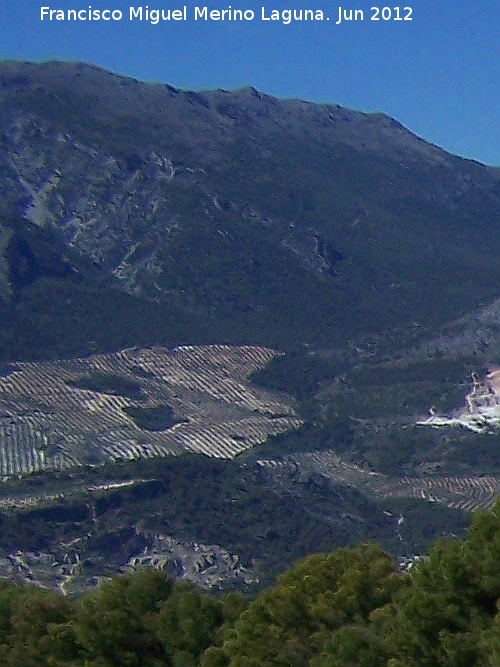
x,y
299,222
140,215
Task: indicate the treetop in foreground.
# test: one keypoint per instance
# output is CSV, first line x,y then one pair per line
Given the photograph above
x,y
346,608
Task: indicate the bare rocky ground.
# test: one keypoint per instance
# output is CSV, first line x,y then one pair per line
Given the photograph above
x,y
209,566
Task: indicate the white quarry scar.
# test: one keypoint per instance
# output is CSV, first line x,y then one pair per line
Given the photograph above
x,y
481,412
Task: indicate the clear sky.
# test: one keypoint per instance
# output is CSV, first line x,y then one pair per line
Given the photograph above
x,y
438,74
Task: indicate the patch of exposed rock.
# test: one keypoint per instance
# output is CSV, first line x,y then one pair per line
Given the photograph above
x,y
207,566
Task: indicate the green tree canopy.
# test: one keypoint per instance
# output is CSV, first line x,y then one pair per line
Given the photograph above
x,y
291,622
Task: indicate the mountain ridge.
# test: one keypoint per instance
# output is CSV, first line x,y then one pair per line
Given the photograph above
x,y
247,92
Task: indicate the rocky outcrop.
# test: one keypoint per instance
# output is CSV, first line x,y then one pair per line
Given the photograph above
x,y
78,569
208,566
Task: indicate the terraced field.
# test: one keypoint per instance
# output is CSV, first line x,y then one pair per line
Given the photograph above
x,y
464,493
60,414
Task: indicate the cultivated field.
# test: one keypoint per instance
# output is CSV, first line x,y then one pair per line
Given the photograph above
x,y
59,414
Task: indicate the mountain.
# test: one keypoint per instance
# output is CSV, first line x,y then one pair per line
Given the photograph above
x,y
203,201
177,223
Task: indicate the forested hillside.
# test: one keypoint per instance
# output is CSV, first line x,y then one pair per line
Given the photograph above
x,y
346,608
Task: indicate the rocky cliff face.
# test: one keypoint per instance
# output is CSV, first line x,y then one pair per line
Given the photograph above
x,y
110,211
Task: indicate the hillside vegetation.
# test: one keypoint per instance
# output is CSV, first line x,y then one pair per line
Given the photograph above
x,y
349,607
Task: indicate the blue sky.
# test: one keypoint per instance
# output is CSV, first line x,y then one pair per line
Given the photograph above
x,y
438,74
